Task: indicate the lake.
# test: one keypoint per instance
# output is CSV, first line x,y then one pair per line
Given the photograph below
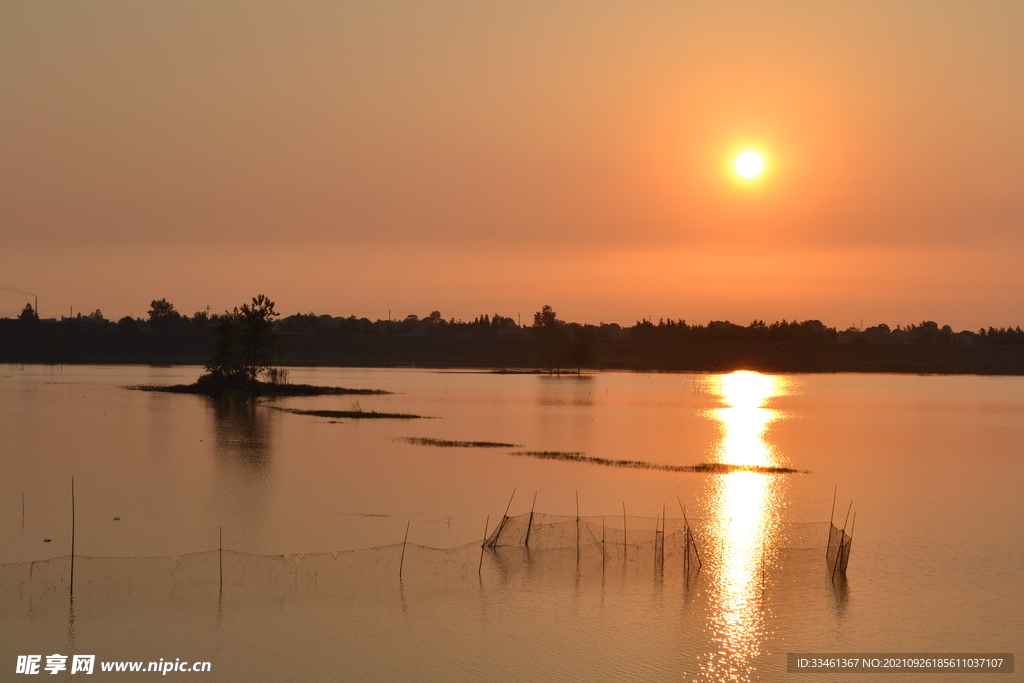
x,y
312,515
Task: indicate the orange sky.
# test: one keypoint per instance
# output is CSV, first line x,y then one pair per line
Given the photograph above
x,y
493,157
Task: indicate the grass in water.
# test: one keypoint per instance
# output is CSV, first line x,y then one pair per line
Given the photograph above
x,y
706,467
445,443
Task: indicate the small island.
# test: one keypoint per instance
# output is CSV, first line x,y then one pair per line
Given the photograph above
x,y
244,348
207,386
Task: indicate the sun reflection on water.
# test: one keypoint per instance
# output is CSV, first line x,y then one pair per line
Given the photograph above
x,y
743,512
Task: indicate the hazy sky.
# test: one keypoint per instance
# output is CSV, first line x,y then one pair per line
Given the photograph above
x,y
351,157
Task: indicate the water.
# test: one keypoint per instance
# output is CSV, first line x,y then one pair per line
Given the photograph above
x,y
932,464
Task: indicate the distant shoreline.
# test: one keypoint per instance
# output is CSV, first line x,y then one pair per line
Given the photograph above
x,y
52,346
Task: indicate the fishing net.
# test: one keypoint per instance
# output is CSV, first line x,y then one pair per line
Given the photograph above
x,y
838,554
521,548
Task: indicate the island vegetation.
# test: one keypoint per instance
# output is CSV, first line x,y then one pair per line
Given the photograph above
x,y
246,342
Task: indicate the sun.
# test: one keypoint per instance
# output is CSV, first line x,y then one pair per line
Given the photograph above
x,y
749,165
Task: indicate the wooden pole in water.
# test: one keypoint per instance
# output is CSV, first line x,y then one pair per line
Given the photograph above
x,y
830,516
839,549
657,525
833,513
850,544
693,543
662,535
504,518
602,545
401,561
623,529
577,527
480,567
72,582
220,556
23,507
686,548
529,525
686,539
509,506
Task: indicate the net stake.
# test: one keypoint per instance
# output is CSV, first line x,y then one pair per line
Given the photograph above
x,y
72,582
401,561
529,525
831,516
602,545
577,528
504,518
483,543
839,549
623,530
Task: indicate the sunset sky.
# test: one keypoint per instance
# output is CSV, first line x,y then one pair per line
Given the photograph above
x,y
355,157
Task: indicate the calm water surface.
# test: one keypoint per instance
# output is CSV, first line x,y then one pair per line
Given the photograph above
x,y
932,465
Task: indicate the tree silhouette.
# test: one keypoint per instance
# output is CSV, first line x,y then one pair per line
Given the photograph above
x,y
163,317
581,347
127,324
245,343
28,314
549,332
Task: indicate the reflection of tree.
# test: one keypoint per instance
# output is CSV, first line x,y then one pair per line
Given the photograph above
x,y
565,391
243,430
244,474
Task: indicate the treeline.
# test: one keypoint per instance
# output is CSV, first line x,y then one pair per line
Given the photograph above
x,y
163,317
788,331
928,333
433,324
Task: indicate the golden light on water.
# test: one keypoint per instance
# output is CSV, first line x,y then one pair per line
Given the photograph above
x,y
743,515
744,418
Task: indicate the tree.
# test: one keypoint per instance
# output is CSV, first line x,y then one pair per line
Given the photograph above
x,y
581,347
200,321
549,332
245,342
127,324
28,314
164,318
